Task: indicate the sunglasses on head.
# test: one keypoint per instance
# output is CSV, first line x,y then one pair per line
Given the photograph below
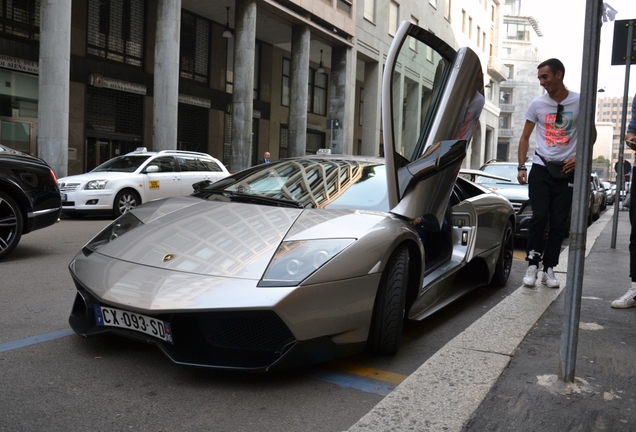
x,y
559,117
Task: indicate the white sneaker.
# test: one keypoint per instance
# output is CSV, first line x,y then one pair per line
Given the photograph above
x,y
549,280
530,279
627,300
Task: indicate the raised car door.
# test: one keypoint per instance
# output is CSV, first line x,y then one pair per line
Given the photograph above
x,y
432,97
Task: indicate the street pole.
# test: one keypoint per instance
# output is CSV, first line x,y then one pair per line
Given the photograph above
x,y
621,147
578,233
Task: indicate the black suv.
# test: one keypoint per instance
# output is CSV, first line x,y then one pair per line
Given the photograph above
x,y
29,197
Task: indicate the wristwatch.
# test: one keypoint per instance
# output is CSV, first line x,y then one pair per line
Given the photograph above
x,y
522,168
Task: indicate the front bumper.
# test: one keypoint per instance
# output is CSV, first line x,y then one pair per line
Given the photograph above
x,y
87,200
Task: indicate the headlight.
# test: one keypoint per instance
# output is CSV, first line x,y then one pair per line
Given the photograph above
x,y
96,184
294,261
117,228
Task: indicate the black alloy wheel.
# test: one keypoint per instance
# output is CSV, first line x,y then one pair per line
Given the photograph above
x,y
11,224
504,263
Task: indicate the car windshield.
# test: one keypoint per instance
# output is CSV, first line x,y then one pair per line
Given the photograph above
x,y
313,183
501,170
126,163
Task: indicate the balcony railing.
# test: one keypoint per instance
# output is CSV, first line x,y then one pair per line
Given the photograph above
x,y
506,107
506,132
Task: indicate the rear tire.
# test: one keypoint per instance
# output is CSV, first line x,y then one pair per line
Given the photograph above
x,y
125,201
504,263
389,309
11,225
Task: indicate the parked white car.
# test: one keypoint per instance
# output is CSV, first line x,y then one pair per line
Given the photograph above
x,y
124,182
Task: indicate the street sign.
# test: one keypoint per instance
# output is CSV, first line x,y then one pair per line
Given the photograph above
x,y
619,46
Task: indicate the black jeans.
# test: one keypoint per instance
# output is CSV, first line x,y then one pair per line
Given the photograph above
x,y
551,201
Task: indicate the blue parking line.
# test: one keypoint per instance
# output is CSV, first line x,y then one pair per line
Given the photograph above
x,y
35,340
350,381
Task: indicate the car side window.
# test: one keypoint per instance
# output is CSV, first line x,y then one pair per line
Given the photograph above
x,y
164,163
191,163
211,165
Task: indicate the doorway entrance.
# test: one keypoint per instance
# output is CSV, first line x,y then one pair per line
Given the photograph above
x,y
99,150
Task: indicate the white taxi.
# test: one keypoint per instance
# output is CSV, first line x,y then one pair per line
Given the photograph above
x,y
124,182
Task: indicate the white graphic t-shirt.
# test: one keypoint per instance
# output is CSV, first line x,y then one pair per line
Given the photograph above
x,y
556,134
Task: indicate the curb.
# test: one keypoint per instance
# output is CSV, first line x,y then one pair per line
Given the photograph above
x,y
444,392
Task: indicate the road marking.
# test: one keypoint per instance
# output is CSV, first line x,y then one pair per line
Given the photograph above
x,y
361,378
35,340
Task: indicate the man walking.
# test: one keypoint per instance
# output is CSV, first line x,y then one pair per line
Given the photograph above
x,y
550,182
628,299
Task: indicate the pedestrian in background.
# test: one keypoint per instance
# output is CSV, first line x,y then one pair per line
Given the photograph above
x,y
628,299
550,183
265,158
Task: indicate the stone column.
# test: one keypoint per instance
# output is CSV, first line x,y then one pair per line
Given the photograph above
x,y
166,79
298,92
54,79
371,109
243,92
341,98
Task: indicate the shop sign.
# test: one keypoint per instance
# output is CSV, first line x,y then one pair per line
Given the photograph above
x,y
113,84
19,64
196,101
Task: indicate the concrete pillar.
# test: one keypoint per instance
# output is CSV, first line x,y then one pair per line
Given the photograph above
x,y
298,91
54,79
342,92
243,92
371,109
166,79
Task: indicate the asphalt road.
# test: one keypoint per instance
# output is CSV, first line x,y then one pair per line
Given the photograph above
x,y
51,379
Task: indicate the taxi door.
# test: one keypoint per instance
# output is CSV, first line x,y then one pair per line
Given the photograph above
x,y
163,182
432,97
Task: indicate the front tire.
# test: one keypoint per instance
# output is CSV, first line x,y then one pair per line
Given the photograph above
x,y
389,309
125,201
504,263
11,225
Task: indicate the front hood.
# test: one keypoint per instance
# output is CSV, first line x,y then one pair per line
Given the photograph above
x,y
204,237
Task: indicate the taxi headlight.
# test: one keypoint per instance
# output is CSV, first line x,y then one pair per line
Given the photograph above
x,y
96,184
295,260
117,228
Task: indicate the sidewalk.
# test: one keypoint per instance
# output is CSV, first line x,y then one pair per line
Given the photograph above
x,y
500,374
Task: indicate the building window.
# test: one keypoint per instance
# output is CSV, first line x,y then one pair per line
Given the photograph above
x,y
317,93
413,41
116,30
361,107
470,28
286,84
483,41
227,139
511,71
21,18
345,6
505,96
504,121
369,10
478,36
463,21
517,30
192,128
394,16
447,10
194,47
283,145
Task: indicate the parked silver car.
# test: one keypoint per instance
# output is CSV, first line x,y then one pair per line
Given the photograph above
x,y
311,258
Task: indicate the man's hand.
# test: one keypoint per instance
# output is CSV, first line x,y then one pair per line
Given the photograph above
x,y
522,177
568,167
630,140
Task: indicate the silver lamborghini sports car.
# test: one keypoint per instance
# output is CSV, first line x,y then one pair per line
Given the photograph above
x,y
310,258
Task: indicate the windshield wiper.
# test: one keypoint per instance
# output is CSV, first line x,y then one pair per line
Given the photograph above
x,y
254,199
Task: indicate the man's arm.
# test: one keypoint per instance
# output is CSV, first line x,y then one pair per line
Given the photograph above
x,y
524,144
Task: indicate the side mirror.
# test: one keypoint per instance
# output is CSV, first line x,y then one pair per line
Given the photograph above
x,y
152,169
198,186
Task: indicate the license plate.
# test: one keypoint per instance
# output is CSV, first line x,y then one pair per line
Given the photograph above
x,y
106,316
